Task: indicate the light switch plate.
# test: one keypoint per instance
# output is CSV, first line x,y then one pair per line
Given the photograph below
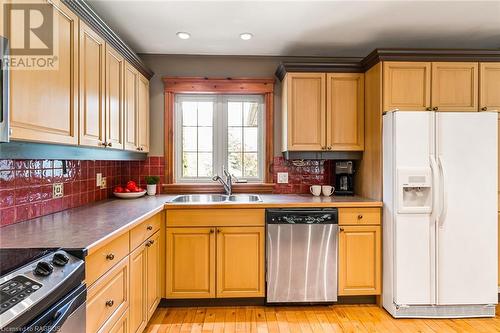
x,y
103,182
57,190
98,179
282,177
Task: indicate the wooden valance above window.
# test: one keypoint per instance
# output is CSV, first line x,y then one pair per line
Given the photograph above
x,y
203,85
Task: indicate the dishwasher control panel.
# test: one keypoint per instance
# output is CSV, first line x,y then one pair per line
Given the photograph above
x,y
302,216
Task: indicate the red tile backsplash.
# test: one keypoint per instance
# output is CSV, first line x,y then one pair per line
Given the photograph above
x,y
300,177
26,185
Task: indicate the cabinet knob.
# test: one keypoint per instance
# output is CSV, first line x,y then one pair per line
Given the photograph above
x,y
104,144
110,256
212,231
360,217
329,148
110,303
138,148
149,227
428,108
218,230
435,108
484,108
149,243
341,229
110,144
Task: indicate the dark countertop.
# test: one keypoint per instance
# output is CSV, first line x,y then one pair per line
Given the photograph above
x,y
84,228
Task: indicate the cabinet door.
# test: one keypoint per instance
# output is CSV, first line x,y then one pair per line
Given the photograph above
x,y
345,111
407,86
143,113
131,78
153,287
92,76
305,111
44,103
190,263
240,262
489,88
114,98
138,277
454,86
359,260
498,250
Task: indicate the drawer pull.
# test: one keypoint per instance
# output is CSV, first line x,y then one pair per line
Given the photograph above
x,y
110,256
149,243
360,217
150,227
110,303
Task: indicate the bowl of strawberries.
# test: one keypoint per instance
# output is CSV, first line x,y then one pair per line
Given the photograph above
x,y
129,191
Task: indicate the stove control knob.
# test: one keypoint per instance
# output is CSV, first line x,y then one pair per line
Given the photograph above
x,y
60,259
43,268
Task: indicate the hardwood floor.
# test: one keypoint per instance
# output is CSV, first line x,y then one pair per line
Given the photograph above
x,y
338,318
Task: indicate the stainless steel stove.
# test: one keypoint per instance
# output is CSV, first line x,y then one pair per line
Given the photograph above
x,y
41,290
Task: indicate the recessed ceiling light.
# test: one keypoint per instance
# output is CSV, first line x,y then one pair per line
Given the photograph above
x,y
183,35
246,36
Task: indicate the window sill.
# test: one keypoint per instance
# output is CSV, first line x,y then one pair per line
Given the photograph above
x,y
217,188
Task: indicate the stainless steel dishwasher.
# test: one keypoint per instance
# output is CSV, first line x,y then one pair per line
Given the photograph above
x,y
301,255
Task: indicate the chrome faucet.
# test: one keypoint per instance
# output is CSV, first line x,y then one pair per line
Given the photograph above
x,y
228,183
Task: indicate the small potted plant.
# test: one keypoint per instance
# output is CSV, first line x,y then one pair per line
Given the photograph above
x,y
151,182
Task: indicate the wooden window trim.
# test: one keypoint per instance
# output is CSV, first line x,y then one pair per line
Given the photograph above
x,y
202,85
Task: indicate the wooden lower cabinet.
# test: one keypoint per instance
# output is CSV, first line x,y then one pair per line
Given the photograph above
x,y
240,262
153,276
190,263
145,282
138,271
199,259
359,260
121,325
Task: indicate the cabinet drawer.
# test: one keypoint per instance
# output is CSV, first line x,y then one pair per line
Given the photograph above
x,y
144,230
105,257
120,325
367,216
215,217
108,297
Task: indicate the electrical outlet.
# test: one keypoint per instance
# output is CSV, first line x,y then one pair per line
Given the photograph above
x,y
98,179
282,177
103,182
57,190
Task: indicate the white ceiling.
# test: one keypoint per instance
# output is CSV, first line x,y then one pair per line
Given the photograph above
x,y
301,28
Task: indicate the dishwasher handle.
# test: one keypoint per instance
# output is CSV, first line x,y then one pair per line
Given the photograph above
x,y
302,216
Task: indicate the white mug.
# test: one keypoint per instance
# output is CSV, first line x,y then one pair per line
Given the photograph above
x,y
315,190
327,190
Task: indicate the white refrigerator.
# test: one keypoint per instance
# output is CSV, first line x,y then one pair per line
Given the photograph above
x,y
440,214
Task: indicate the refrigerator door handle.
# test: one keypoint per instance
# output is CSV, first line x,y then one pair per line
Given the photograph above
x,y
435,187
442,194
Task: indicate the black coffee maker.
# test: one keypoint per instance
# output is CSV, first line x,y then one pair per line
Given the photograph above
x,y
344,177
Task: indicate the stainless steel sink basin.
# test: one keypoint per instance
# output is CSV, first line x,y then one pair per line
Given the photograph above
x,y
200,198
244,198
216,198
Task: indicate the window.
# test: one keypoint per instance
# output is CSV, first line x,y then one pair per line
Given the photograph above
x,y
213,132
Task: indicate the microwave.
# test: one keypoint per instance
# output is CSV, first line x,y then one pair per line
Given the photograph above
x,y
4,90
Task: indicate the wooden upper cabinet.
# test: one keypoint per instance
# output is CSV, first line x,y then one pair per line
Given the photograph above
x,y
240,262
455,86
131,77
44,103
143,114
304,111
489,86
359,260
114,98
190,270
407,86
153,286
138,277
345,111
92,80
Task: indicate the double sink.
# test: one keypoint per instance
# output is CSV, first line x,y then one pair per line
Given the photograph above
x,y
216,198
